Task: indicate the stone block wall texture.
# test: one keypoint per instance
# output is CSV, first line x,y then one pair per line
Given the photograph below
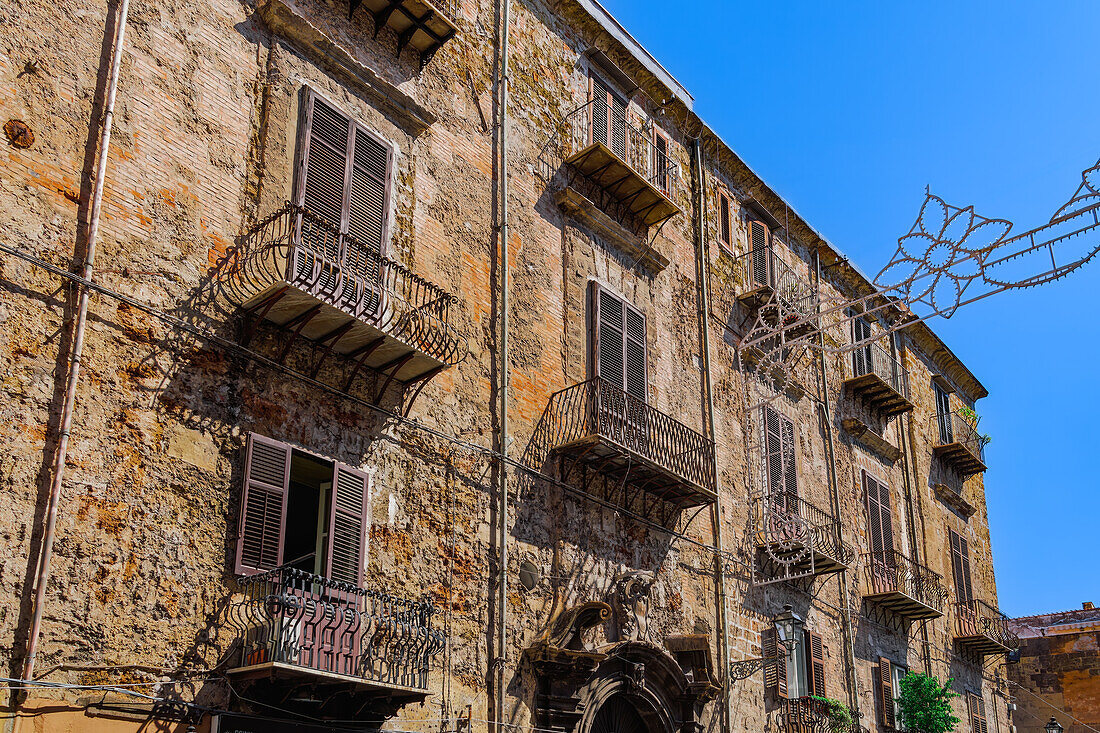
x,y
204,146
1059,670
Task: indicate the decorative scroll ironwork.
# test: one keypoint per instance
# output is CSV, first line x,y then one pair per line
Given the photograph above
x,y
296,246
599,408
980,619
745,668
807,715
292,617
892,572
798,539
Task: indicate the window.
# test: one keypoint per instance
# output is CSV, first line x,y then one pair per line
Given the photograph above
x,y
960,567
975,706
880,528
890,676
760,246
725,223
303,511
661,162
862,357
780,469
343,178
943,410
799,673
608,117
619,348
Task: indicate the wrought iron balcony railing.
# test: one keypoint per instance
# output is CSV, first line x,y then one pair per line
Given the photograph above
x,y
799,535
627,437
807,715
298,270
983,628
959,444
627,161
880,379
906,587
767,275
291,621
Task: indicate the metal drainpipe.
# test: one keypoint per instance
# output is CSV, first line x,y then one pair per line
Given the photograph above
x,y
502,613
911,466
834,490
78,350
716,513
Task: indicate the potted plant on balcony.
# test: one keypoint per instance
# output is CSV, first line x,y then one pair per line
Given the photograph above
x,y
837,713
924,705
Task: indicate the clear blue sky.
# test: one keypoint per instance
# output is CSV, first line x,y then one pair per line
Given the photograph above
x,y
848,110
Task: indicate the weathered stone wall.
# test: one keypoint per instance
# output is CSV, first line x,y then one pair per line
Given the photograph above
x,y
204,146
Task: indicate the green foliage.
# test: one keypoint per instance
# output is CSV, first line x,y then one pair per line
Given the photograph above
x,y
924,705
840,717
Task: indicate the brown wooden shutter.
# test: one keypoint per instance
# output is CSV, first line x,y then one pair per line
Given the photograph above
x,y
773,450
960,567
660,160
790,460
976,707
886,688
725,225
263,505
349,525
879,519
775,674
761,254
619,349
815,663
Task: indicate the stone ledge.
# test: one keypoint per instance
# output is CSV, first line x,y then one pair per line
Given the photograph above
x,y
864,434
954,499
288,22
578,206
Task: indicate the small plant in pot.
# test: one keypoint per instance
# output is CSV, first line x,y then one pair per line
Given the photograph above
x,y
838,714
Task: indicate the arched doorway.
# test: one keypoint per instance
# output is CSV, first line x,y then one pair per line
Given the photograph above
x,y
619,715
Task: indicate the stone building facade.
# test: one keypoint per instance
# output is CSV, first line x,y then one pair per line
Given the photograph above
x,y
308,429
1058,670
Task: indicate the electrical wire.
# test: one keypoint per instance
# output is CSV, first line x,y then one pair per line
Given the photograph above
x,y
1051,706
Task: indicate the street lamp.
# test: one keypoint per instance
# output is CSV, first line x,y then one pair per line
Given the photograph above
x,y
788,627
1053,726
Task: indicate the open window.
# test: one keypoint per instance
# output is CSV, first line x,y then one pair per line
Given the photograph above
x,y
800,672
890,676
302,511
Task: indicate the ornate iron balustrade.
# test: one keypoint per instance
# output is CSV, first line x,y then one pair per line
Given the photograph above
x,y
874,359
980,620
891,573
601,409
299,247
960,443
807,715
290,617
792,528
765,271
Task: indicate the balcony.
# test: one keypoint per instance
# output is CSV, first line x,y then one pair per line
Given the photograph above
x,y
879,380
298,272
798,538
631,443
424,25
904,586
806,715
782,297
295,628
959,445
621,160
981,628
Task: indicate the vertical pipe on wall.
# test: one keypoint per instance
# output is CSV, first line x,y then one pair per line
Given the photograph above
x,y
502,580
79,324
703,301
834,490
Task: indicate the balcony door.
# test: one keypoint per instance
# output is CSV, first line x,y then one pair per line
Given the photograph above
x,y
343,181
863,356
763,267
785,521
619,364
943,413
880,531
608,117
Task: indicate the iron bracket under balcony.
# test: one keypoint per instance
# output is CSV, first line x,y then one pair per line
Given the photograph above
x,y
298,272
425,25
982,629
795,539
632,444
343,651
902,586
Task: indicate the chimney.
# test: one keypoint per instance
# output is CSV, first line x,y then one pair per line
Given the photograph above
x,y
1087,606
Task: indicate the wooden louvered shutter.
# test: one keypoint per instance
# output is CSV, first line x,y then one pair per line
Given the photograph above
x,y
773,450
620,343
815,663
367,202
862,356
879,519
349,524
761,253
790,462
886,688
725,226
660,160
775,674
976,707
263,505
599,111
322,183
960,567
